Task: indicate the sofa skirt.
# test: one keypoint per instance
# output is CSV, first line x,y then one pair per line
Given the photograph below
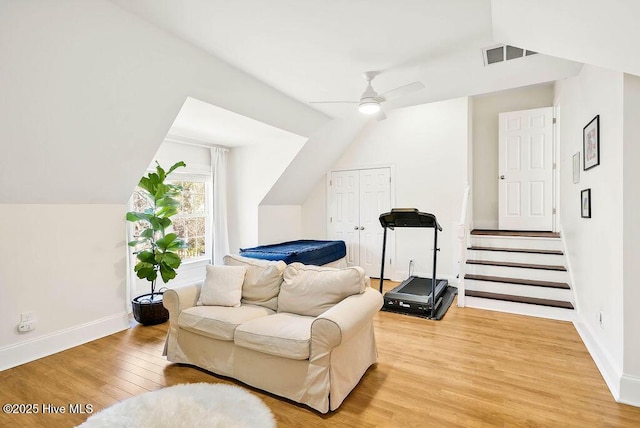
x,y
321,383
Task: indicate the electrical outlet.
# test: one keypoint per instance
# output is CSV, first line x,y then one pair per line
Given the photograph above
x,y
25,326
27,322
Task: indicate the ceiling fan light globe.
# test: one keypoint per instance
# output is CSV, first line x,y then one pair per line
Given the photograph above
x,y
369,107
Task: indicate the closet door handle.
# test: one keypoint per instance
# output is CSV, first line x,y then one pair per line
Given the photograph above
x,y
361,227
355,228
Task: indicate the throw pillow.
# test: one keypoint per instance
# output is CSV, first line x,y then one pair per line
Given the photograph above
x,y
262,281
222,286
311,290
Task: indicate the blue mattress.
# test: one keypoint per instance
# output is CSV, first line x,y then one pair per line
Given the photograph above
x,y
309,252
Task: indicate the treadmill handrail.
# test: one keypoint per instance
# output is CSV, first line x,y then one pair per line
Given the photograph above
x,y
408,217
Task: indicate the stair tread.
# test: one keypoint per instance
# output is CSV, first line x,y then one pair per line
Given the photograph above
x,y
514,264
520,299
526,233
520,281
517,250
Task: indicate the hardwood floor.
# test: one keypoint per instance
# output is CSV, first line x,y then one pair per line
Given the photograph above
x,y
474,368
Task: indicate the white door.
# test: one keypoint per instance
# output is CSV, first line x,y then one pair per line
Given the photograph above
x,y
344,212
356,200
375,199
526,170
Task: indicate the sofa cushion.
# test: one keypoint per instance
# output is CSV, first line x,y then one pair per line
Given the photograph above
x,y
219,322
311,290
222,286
262,280
282,335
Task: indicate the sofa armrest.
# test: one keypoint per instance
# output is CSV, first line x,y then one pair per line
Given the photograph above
x,y
180,298
342,321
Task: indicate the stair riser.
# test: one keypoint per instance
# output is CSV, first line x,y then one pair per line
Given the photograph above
x,y
521,273
516,242
505,256
520,308
520,290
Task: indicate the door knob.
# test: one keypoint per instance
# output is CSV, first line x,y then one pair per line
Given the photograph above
x,y
361,227
355,227
502,177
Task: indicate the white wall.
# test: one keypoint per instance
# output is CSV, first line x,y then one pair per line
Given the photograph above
x,y
630,384
314,212
252,172
88,94
279,223
66,264
485,144
595,245
321,151
427,147
196,157
300,179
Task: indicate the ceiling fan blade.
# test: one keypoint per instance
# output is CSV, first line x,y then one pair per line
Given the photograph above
x,y
381,115
334,102
402,90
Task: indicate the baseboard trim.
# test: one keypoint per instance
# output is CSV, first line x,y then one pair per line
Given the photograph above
x,y
48,344
630,390
610,373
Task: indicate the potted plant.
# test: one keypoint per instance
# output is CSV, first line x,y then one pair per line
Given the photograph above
x,y
156,250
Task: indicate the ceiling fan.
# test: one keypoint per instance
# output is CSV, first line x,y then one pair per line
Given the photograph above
x,y
370,101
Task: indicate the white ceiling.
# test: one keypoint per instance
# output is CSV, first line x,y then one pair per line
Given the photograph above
x,y
206,123
318,51
601,33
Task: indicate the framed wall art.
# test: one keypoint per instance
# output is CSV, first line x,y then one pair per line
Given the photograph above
x,y
585,203
576,168
591,143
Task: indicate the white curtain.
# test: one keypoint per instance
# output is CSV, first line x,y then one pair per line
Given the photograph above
x,y
220,231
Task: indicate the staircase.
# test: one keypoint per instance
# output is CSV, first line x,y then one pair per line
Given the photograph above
x,y
518,272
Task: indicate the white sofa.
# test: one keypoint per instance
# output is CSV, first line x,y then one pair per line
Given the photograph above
x,y
301,332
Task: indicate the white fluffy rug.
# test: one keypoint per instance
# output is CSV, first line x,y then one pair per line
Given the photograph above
x,y
190,405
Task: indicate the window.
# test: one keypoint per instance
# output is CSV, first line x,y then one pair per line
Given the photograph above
x,y
191,222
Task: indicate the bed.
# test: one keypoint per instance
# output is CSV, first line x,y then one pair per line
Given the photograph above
x,y
309,252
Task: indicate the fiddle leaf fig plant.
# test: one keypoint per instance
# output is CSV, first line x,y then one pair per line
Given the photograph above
x,y
156,249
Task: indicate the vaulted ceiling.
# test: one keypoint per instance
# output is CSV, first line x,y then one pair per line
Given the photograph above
x,y
318,51
89,89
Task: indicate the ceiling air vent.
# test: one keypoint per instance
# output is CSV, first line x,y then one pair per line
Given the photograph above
x,y
503,53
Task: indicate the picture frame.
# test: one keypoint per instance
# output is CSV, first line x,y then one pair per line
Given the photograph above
x,y
585,203
576,168
591,144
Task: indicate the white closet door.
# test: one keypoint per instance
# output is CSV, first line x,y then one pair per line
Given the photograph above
x,y
344,212
375,199
356,200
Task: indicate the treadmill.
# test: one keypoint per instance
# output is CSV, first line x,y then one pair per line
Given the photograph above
x,y
416,295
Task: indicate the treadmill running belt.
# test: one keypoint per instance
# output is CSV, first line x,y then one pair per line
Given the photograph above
x,y
418,286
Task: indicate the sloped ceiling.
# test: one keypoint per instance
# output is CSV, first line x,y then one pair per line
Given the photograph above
x,y
205,123
318,51
88,92
601,33
321,151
